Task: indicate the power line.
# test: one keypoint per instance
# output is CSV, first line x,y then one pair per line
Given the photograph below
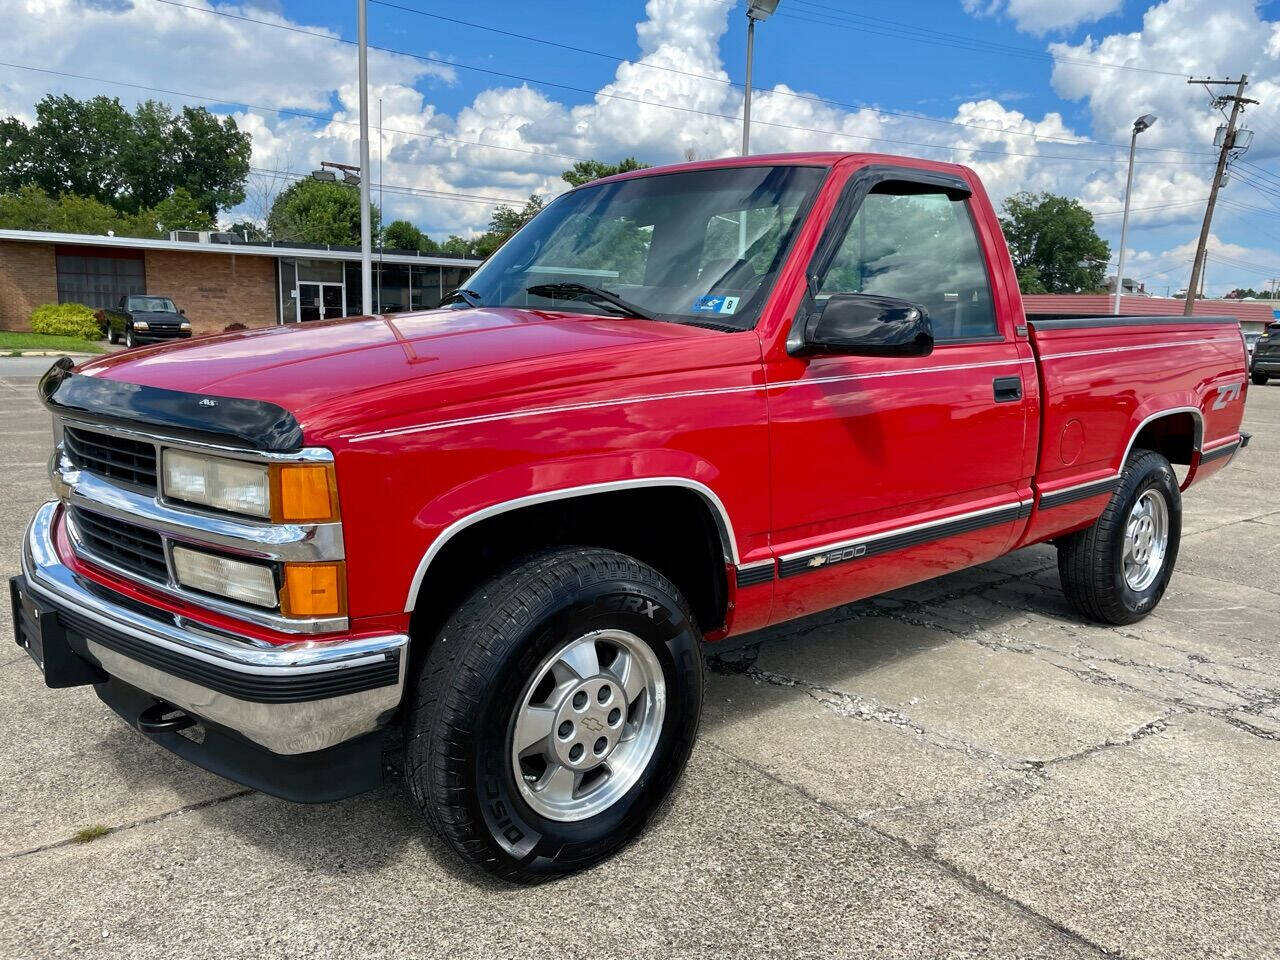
x,y
284,111
893,28
777,93
400,188
670,106
1156,206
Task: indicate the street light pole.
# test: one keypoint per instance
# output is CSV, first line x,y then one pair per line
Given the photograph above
x,y
746,100
756,10
366,240
1142,123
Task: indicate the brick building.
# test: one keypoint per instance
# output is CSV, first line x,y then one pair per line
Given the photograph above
x,y
1253,315
215,283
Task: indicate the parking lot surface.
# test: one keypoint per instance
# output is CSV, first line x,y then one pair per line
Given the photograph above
x,y
961,769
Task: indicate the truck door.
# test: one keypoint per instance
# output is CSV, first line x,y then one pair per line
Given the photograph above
x,y
891,470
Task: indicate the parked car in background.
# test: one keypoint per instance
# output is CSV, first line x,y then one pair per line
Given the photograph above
x,y
1264,362
142,318
1250,341
680,404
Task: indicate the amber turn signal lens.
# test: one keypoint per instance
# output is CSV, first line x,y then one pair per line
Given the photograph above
x,y
304,493
314,590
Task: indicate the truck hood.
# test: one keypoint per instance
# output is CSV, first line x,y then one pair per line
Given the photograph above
x,y
341,375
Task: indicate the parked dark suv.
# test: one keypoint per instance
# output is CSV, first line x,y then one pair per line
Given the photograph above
x,y
1266,355
142,318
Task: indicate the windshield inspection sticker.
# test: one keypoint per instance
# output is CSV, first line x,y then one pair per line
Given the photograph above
x,y
716,305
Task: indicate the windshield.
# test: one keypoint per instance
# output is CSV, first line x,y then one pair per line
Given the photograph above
x,y
703,245
151,305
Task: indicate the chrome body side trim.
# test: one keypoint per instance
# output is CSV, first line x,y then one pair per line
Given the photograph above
x,y
724,525
1137,346
680,395
899,538
268,712
1079,491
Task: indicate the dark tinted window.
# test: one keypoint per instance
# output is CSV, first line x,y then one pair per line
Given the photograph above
x,y
98,281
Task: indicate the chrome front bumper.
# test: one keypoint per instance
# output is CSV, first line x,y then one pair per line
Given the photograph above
x,y
292,698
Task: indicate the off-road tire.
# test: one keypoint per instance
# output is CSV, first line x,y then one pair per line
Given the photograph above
x,y
1260,378
1090,561
457,728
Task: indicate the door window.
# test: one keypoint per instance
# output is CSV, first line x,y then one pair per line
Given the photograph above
x,y
919,247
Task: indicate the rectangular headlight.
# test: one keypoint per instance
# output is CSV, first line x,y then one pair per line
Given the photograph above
x,y
233,579
231,485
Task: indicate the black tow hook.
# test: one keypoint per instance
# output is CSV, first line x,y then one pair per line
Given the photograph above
x,y
158,719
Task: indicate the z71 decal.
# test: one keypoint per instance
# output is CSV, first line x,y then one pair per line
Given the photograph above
x,y
1226,393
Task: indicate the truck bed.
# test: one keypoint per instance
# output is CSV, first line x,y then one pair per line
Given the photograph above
x,y
1108,382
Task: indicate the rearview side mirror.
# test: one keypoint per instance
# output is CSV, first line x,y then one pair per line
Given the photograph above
x,y
868,325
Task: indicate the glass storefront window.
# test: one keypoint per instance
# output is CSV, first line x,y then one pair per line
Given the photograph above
x,y
426,288
393,290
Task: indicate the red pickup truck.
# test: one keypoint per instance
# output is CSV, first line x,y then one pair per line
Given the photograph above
x,y
487,542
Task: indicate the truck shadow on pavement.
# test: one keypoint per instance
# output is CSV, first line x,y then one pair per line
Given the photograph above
x,y
370,833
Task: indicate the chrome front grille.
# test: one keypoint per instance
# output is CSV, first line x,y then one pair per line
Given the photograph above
x,y
121,544
114,457
118,517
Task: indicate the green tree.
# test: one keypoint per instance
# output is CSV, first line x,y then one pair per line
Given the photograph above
x,y
584,171
455,246
130,161
1053,244
318,211
181,211
503,224
403,235
248,230
30,208
15,154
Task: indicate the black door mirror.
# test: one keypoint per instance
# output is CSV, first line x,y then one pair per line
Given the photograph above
x,y
867,325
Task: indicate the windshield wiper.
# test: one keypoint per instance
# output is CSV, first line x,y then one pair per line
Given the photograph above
x,y
469,297
580,291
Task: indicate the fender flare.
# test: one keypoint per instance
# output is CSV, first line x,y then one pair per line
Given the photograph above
x,y
724,524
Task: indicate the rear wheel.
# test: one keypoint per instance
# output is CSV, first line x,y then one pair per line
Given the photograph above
x,y
1117,570
111,334
1261,378
555,712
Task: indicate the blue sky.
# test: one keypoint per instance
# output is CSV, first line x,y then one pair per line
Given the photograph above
x,y
933,78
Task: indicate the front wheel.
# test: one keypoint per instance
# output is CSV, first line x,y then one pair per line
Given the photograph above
x,y
1117,570
554,712
129,340
1260,378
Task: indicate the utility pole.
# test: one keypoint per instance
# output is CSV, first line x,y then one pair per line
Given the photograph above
x,y
366,242
1224,154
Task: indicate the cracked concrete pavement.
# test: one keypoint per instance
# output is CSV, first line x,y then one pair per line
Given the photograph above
x,y
963,768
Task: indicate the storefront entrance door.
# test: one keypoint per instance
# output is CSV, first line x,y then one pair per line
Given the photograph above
x,y
320,301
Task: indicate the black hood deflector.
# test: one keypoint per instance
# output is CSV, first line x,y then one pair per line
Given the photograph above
x,y
231,421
